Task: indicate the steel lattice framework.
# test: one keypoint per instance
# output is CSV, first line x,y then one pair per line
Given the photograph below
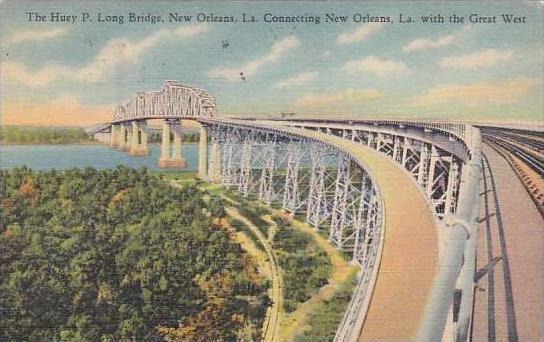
x,y
324,184
434,165
173,101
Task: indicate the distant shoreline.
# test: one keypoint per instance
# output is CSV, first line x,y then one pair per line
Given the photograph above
x,y
9,143
76,143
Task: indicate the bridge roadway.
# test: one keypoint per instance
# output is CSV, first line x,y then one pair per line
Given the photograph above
x,y
409,259
509,296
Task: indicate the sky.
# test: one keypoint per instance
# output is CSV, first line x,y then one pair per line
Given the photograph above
x,y
64,73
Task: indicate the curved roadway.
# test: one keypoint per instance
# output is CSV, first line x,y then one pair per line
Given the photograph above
x,y
409,258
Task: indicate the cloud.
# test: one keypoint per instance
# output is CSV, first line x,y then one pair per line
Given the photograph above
x,y
61,111
35,79
341,98
249,69
360,34
298,79
477,60
116,52
424,44
35,35
478,93
326,54
377,66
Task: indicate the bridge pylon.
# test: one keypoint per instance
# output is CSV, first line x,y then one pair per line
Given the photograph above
x,y
171,150
138,143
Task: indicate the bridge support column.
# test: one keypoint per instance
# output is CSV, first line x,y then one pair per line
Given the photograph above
x,y
143,137
128,141
203,153
451,190
244,180
405,147
177,158
123,137
423,164
266,189
173,160
317,210
370,139
431,171
339,217
165,143
291,200
215,163
114,136
138,146
396,149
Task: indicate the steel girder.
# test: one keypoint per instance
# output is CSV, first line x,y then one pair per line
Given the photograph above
x,y
436,171
296,181
303,176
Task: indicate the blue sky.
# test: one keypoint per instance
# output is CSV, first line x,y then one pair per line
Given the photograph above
x,y
53,72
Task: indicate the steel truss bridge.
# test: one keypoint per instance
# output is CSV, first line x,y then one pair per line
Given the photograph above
x,y
347,178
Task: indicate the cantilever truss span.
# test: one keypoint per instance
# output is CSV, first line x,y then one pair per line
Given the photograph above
x,y
173,101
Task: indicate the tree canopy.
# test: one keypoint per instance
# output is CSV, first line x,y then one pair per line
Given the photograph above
x,y
119,255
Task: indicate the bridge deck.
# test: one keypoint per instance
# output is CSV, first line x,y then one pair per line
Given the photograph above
x,y
410,253
509,302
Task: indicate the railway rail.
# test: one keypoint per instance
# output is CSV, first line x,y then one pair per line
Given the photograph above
x,y
524,152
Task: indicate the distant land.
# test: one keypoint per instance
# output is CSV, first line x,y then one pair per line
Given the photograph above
x,y
61,135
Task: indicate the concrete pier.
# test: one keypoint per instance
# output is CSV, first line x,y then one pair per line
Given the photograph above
x,y
138,146
122,137
114,136
203,154
171,159
128,140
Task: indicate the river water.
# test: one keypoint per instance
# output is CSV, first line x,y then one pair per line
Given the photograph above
x,y
45,157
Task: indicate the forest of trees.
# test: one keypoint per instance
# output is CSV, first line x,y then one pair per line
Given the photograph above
x,y
119,255
190,136
42,135
67,135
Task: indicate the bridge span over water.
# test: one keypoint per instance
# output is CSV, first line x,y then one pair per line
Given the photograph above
x,y
400,197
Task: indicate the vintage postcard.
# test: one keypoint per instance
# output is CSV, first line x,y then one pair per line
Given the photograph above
x,y
275,171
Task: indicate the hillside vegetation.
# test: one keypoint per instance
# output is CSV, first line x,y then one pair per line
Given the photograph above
x,y
119,255
42,135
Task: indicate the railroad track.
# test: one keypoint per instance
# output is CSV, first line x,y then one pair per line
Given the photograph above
x,y
524,153
530,140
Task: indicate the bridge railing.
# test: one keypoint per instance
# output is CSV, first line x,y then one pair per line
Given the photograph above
x,y
457,264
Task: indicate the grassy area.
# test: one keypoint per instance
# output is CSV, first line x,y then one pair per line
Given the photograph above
x,y
252,210
326,316
175,175
241,226
298,322
306,267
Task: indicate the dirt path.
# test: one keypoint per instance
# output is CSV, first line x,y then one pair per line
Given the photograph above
x,y
297,321
270,326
